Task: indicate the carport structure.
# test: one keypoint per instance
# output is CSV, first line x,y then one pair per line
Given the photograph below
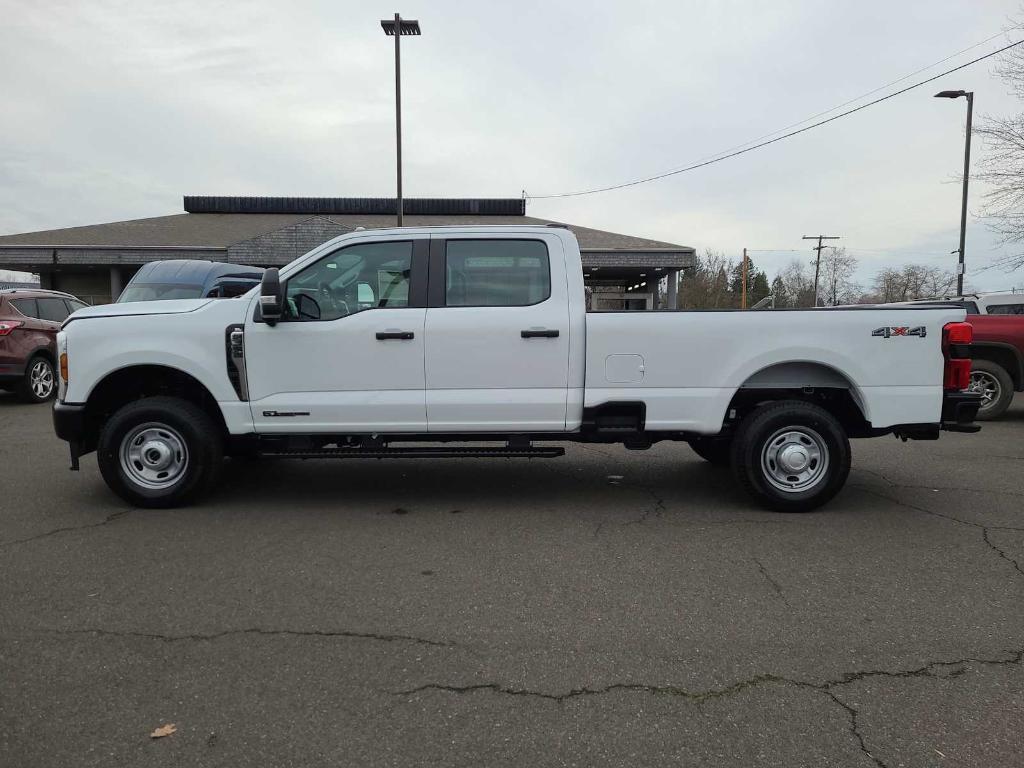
x,y
95,261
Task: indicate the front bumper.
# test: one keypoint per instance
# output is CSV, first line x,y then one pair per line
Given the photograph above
x,y
69,422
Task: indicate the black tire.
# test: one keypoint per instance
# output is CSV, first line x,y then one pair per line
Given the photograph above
x,y
781,424
992,381
714,450
184,443
39,383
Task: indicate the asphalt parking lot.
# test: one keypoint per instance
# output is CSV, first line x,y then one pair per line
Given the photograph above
x,y
511,612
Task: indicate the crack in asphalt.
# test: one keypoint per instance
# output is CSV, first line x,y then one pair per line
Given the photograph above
x,y
826,687
1000,552
985,529
893,484
768,577
69,528
855,729
170,638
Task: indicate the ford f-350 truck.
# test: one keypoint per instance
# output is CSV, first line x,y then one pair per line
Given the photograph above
x,y
475,341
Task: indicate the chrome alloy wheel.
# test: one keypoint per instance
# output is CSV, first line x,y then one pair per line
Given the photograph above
x,y
41,380
985,384
154,456
794,459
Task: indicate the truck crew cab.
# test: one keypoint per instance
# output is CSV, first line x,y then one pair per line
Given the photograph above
x,y
478,339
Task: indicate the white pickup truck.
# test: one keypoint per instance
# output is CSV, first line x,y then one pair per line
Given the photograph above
x,y
475,341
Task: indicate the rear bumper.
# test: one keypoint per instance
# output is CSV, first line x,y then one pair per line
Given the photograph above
x,y
959,409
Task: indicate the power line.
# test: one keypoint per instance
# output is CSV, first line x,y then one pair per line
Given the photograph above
x,y
865,94
718,159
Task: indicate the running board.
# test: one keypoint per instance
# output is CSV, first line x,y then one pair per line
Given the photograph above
x,y
425,452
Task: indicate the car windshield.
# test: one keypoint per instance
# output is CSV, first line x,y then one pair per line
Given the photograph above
x,y
159,292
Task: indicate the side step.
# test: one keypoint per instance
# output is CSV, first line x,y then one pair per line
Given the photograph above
x,y
414,452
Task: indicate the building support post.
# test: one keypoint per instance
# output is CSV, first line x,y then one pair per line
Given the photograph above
x,y
673,290
115,283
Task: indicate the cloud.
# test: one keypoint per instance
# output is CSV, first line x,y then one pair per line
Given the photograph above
x,y
115,109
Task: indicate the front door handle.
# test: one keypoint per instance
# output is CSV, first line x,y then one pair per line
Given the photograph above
x,y
385,335
539,333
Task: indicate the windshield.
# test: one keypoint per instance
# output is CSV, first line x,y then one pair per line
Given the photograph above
x,y
159,292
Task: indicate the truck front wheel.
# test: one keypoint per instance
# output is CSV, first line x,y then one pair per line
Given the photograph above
x,y
791,456
160,452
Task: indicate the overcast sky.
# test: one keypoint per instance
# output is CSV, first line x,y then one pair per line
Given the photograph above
x,y
113,110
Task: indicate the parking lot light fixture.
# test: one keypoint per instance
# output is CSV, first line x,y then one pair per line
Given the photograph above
x,y
399,28
969,95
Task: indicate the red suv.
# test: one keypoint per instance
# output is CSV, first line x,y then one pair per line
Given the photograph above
x,y
29,321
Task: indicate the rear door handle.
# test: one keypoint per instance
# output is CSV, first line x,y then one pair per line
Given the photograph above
x,y
539,333
385,335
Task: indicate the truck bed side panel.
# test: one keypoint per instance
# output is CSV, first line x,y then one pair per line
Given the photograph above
x,y
687,366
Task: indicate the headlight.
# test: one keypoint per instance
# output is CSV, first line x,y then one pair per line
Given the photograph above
x,y
62,358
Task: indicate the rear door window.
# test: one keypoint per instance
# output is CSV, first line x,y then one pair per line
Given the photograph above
x,y
496,273
52,309
74,306
27,307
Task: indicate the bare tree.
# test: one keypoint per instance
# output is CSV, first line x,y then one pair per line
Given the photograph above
x,y
1001,165
798,284
708,286
836,284
913,281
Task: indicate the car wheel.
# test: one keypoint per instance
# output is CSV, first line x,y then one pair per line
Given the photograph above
x,y
160,452
714,450
791,456
993,383
40,381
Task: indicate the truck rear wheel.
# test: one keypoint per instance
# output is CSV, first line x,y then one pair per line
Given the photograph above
x,y
791,456
160,452
993,383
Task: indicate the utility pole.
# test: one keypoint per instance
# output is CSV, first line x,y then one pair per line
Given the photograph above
x,y
743,297
817,261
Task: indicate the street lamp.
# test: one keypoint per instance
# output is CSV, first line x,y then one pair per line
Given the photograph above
x,y
967,175
396,28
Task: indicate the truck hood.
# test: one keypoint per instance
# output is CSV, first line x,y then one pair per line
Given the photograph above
x,y
169,307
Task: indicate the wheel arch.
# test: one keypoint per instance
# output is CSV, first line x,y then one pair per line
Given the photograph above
x,y
133,382
807,380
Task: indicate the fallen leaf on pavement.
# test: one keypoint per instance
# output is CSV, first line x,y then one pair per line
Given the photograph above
x,y
163,730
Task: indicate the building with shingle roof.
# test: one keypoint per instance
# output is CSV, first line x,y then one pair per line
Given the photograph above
x,y
95,261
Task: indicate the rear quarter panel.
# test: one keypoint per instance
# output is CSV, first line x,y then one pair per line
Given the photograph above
x,y
694,362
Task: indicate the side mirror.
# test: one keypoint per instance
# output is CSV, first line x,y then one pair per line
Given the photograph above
x,y
271,300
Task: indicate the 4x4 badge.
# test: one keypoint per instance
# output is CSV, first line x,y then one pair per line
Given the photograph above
x,y
900,330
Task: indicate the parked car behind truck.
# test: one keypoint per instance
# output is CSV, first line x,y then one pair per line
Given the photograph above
x,y
29,321
997,370
189,279
378,342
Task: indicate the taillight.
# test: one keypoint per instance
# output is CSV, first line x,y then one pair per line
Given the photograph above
x,y
958,333
6,326
956,340
957,374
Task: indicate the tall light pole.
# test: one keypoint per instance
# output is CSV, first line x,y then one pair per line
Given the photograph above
x,y
398,27
967,175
